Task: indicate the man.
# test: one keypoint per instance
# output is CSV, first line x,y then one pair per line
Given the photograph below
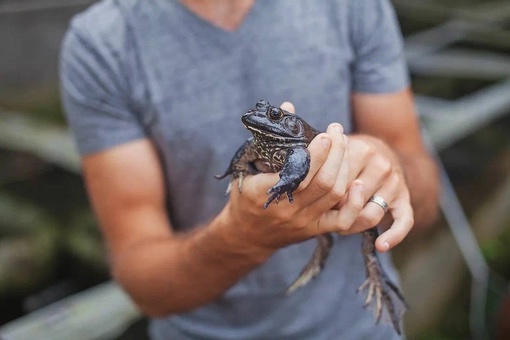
x,y
154,91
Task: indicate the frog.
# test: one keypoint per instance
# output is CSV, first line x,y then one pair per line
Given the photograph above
x,y
279,145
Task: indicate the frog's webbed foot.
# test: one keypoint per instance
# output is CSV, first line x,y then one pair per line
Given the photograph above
x,y
381,291
293,172
240,177
278,190
239,166
316,263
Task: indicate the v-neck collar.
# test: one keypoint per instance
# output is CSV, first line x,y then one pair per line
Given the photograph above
x,y
206,30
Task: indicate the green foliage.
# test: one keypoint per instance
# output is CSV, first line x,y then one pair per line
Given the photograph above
x,y
43,105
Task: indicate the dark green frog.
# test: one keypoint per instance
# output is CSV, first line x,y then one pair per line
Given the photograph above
x,y
279,144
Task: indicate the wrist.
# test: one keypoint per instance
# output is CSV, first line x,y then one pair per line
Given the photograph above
x,y
229,232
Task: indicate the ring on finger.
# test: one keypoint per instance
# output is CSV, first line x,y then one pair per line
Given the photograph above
x,y
379,201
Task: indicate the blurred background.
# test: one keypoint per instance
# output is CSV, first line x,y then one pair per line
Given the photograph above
x,y
54,280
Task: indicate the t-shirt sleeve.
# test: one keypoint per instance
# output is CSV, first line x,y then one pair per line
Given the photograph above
x,y
95,93
379,64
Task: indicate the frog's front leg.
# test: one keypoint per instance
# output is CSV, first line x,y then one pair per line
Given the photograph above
x,y
294,171
240,165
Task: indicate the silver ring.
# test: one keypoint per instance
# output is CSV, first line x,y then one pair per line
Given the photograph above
x,y
379,201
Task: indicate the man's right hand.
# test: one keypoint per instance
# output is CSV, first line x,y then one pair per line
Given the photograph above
x,y
252,226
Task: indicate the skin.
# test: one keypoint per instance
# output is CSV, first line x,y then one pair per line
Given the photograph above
x,y
385,157
225,14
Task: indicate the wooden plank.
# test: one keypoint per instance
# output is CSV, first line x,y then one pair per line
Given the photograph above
x,y
434,39
52,143
490,38
493,12
423,11
12,7
457,119
462,63
102,312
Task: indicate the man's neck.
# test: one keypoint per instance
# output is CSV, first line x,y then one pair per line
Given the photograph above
x,y
225,14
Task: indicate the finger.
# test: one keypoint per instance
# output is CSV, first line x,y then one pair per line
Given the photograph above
x,y
340,220
325,178
375,172
319,150
363,154
372,213
338,193
288,106
403,221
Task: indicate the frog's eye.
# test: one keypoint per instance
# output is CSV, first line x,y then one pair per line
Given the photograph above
x,y
275,113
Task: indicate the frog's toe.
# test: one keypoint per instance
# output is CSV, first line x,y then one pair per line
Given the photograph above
x,y
275,196
383,294
290,197
229,188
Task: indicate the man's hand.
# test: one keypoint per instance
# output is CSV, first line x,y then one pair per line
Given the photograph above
x,y
287,223
334,197
376,170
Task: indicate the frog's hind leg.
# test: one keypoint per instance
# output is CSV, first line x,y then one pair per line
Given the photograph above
x,y
381,291
316,263
239,166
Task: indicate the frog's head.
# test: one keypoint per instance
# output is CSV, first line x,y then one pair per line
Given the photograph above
x,y
274,124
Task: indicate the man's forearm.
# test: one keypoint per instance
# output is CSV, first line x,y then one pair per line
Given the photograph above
x,y
423,182
179,273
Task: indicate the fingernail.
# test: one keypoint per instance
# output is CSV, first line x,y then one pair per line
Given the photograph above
x,y
325,142
337,128
386,245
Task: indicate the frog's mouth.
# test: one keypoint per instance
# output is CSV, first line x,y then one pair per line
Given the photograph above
x,y
272,135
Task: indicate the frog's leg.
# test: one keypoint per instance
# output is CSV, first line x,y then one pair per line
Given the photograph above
x,y
316,263
386,293
294,171
240,165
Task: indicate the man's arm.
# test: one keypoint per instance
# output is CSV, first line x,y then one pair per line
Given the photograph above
x,y
392,118
154,264
168,272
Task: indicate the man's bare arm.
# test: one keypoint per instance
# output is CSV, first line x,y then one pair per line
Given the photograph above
x,y
392,119
168,272
154,264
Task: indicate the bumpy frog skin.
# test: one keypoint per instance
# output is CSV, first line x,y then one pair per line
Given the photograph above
x,y
279,144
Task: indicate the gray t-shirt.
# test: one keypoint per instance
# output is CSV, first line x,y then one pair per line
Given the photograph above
x,y
134,69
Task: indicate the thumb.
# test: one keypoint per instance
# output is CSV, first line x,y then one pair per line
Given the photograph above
x,y
288,106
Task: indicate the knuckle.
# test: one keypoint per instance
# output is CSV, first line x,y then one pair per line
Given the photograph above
x,y
361,148
301,223
395,179
356,205
285,216
342,227
338,192
383,164
365,148
325,181
289,212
